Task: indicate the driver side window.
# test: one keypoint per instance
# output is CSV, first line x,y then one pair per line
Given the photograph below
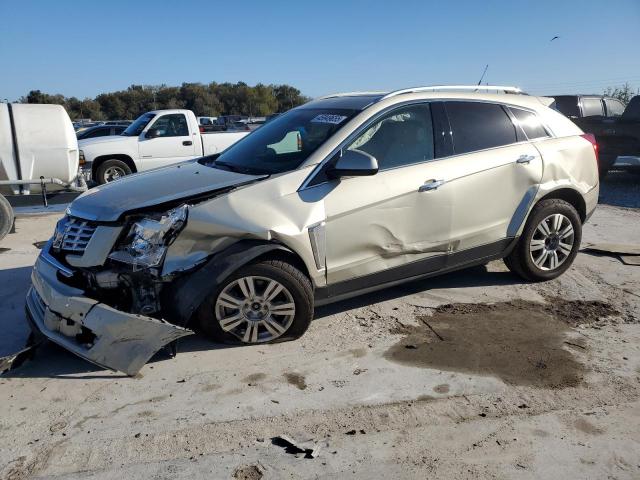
x,y
171,125
402,137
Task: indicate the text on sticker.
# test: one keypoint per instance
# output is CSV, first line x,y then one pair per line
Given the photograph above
x,y
328,118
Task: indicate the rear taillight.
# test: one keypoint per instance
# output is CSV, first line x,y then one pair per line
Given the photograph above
x,y
592,138
201,129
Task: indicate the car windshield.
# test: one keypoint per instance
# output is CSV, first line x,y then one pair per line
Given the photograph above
x,y
284,143
138,125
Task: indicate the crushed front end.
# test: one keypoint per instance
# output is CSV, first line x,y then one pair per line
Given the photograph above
x,y
97,288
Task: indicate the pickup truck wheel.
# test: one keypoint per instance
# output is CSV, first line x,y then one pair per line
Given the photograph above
x,y
6,217
264,302
549,242
111,170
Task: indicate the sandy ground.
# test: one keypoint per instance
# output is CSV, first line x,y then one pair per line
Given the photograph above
x,y
514,380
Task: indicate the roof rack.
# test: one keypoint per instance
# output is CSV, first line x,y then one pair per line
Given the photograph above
x,y
350,94
433,88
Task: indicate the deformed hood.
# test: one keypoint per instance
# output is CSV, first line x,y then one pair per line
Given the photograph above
x,y
108,202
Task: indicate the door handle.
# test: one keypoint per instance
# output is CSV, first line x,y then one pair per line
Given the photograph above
x,y
525,159
431,185
186,143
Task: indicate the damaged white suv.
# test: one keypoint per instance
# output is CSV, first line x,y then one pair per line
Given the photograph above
x,y
343,195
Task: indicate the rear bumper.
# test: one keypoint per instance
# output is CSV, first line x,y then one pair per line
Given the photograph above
x,y
591,201
92,330
627,162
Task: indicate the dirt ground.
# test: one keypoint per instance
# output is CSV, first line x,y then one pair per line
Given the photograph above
x,y
474,374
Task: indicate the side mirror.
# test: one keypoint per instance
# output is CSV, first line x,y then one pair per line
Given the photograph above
x,y
354,163
151,133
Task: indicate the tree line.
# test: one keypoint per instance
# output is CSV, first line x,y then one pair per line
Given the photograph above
x,y
211,99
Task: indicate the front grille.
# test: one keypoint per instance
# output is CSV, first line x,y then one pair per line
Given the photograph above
x,y
76,235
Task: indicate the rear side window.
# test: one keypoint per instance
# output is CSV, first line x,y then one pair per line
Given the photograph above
x,y
530,123
477,126
615,108
591,107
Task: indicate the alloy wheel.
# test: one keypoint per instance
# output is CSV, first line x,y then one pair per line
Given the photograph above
x,y
552,242
113,173
255,309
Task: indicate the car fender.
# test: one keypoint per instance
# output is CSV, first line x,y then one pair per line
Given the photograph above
x,y
188,292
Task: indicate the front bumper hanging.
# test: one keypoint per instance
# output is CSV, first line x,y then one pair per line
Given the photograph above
x,y
92,330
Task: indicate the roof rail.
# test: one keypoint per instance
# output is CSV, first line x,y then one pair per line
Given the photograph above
x,y
500,88
349,94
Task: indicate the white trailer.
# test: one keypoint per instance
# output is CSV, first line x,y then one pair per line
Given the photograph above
x,y
38,153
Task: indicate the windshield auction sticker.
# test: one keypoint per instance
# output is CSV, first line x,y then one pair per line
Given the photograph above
x,y
328,118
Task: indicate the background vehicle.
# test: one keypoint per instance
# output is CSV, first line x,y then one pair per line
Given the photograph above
x,y
343,195
38,149
100,131
616,128
155,139
125,123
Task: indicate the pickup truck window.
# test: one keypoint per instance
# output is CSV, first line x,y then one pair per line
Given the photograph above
x,y
615,108
138,125
171,125
284,143
591,107
567,105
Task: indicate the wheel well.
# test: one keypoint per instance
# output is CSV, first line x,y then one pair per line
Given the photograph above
x,y
286,256
125,158
572,197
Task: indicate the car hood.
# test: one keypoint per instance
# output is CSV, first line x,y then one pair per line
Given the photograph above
x,y
109,202
90,142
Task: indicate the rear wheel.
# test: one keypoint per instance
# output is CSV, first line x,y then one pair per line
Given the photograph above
x,y
264,302
549,242
6,217
111,170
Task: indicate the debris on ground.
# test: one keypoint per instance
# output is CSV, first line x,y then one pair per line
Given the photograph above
x,y
626,253
10,362
309,448
248,472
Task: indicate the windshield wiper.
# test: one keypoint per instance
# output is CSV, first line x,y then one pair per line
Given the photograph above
x,y
235,168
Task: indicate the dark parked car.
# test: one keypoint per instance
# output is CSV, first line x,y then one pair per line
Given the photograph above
x,y
101,131
617,129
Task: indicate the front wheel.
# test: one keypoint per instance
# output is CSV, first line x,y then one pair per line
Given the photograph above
x,y
111,170
264,302
549,242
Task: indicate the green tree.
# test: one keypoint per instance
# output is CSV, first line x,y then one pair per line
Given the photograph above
x,y
205,100
623,93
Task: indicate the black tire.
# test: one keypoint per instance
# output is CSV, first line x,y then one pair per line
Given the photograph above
x,y
6,217
282,272
520,260
102,172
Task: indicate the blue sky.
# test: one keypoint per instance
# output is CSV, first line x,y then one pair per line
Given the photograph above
x,y
83,48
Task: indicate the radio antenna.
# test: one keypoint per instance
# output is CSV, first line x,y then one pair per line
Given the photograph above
x,y
483,74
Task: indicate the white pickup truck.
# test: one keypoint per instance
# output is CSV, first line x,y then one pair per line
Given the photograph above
x,y
155,139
